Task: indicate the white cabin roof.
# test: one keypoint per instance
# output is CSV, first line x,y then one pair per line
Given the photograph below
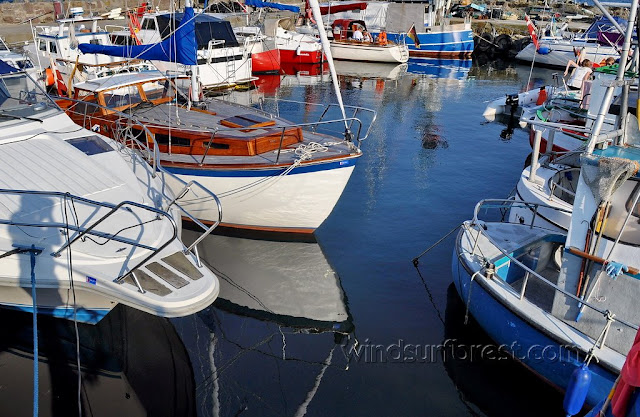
x,y
119,80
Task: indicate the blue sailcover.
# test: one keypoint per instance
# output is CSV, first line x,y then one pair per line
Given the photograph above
x,y
180,47
260,3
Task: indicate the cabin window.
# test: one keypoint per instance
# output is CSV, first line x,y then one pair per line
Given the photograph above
x,y
42,46
120,39
23,64
246,120
149,24
621,204
53,48
175,141
121,97
95,42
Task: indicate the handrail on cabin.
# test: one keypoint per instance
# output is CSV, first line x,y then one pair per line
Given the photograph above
x,y
157,167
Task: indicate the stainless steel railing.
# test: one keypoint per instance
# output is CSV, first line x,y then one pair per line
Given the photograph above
x,y
529,273
80,231
124,135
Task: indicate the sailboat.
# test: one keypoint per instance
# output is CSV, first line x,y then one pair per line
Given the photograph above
x,y
273,175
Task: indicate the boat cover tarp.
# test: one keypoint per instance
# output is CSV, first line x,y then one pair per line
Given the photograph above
x,y
603,25
6,68
207,28
260,3
339,8
181,47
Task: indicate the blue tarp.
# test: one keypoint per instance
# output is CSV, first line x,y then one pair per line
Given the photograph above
x,y
6,68
181,47
603,25
260,3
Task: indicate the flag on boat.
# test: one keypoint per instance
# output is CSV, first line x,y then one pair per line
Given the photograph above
x,y
532,31
413,35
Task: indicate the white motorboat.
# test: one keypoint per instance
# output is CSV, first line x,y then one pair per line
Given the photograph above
x,y
595,44
56,48
85,223
345,47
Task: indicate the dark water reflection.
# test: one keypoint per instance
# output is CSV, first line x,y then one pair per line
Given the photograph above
x,y
316,330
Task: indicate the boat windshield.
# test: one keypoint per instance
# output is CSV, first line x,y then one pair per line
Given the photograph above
x,y
20,96
127,96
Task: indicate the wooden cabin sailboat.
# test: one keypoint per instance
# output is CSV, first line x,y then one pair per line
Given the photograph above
x,y
271,174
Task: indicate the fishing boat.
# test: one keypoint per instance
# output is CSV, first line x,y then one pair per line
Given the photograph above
x,y
56,48
222,61
344,47
601,40
86,223
568,293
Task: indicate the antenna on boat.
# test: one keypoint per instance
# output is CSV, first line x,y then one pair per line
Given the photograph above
x,y
315,7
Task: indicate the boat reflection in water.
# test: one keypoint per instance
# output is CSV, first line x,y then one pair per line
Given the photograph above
x,y
280,323
133,364
487,378
304,74
368,70
453,69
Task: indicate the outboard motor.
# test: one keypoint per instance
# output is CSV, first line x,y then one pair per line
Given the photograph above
x,y
511,100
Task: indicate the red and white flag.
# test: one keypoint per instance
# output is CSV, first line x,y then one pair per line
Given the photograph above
x,y
532,31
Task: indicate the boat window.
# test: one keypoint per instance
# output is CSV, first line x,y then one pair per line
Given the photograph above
x,y
95,42
247,120
621,204
175,141
120,39
42,46
121,97
21,96
53,48
149,24
90,145
23,64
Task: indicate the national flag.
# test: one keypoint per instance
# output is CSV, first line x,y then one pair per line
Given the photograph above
x,y
411,33
532,31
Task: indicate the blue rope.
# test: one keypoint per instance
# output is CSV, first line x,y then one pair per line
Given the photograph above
x,y
35,331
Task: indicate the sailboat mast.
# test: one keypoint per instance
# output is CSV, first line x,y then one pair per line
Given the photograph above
x,y
195,86
315,7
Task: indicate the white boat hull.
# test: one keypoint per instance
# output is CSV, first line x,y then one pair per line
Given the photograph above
x,y
297,202
561,51
369,52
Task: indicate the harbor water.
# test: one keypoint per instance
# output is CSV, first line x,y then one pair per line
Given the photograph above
x,y
346,326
